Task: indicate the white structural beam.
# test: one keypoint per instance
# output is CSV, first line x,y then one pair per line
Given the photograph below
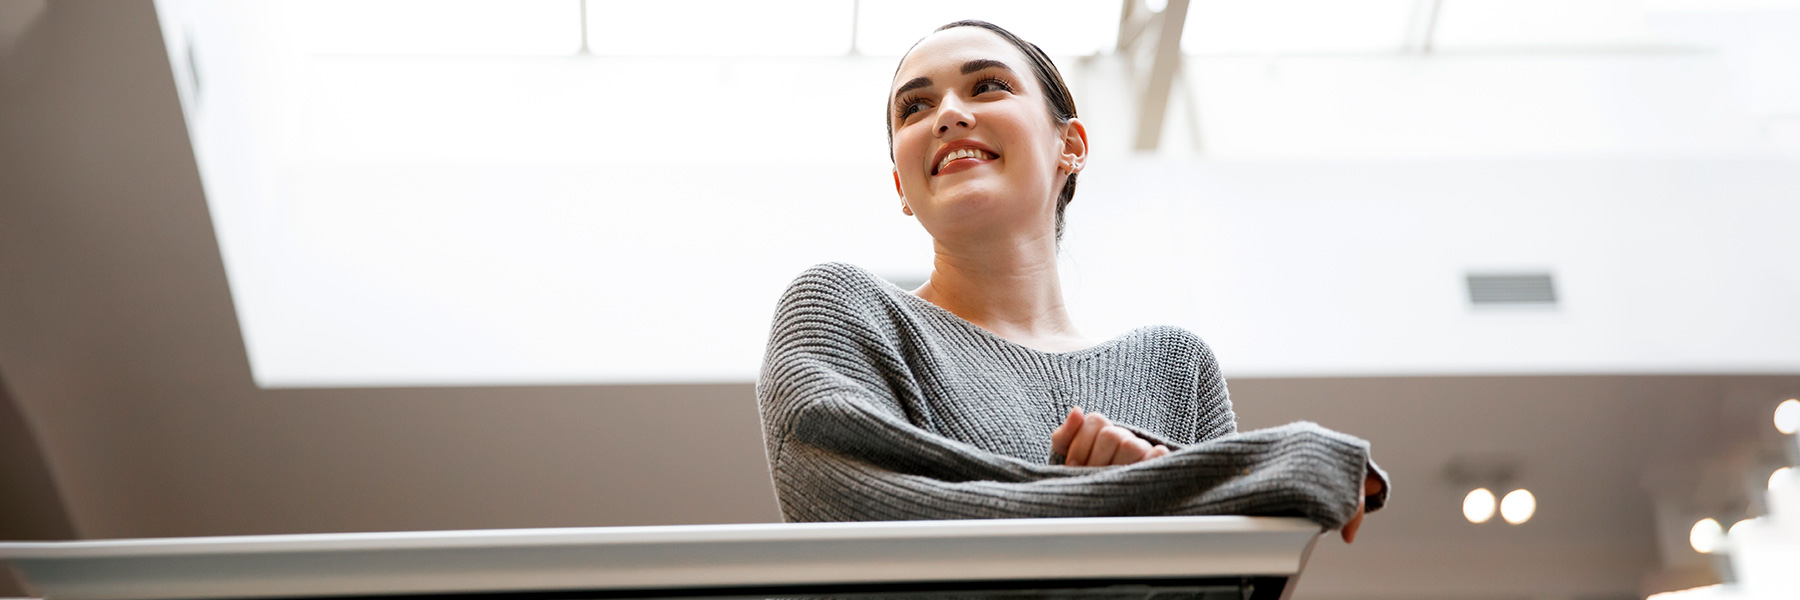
x,y
1157,38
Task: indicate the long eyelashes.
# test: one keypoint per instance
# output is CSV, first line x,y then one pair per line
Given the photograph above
x,y
993,80
904,107
907,105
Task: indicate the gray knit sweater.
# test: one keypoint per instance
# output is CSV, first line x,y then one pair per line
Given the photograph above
x,y
878,405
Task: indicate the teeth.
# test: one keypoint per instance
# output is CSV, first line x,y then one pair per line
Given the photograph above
x,y
960,153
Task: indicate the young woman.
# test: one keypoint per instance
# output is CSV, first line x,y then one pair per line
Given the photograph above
x,y
974,396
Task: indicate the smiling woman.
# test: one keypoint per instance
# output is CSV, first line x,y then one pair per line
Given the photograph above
x,y
992,78
974,396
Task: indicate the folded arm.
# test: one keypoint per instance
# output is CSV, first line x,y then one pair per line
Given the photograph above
x,y
836,456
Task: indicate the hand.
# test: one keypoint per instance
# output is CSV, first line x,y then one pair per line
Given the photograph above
x,y
1092,441
1371,486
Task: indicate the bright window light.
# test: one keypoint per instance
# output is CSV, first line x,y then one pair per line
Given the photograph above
x,y
1295,26
1060,27
1507,24
720,28
436,27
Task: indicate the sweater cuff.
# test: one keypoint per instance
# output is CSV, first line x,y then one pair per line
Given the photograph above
x,y
1336,462
1374,502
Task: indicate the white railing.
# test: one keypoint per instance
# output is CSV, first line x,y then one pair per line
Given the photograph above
x,y
1237,557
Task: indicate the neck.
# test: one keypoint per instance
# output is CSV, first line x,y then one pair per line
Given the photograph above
x,y
1010,288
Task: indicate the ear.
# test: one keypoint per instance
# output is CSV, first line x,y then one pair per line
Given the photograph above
x,y
1075,146
903,207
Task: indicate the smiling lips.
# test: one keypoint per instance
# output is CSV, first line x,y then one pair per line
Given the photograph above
x,y
958,156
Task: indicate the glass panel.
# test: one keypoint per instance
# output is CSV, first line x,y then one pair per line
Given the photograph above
x,y
436,27
1505,24
1295,26
720,28
1060,27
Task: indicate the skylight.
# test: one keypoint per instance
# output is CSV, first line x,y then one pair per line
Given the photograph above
x,y
1060,27
720,28
1525,24
436,27
1295,26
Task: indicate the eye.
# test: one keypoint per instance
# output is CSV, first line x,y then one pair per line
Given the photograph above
x,y
990,84
907,107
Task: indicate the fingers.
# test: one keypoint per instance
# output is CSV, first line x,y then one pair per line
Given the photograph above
x,y
1107,444
1354,524
1371,485
1351,527
1091,440
1083,445
1065,433
1131,449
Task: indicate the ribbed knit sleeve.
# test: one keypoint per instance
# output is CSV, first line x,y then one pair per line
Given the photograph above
x,y
846,443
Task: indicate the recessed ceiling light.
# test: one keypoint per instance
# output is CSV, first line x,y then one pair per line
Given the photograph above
x,y
1705,535
1787,416
1518,506
1478,506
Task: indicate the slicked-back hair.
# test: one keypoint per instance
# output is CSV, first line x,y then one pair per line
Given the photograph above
x,y
1056,97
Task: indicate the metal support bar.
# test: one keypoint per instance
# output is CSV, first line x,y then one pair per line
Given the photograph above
x,y
1422,26
585,48
1133,20
1165,63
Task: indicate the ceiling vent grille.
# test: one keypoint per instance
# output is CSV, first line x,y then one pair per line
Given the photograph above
x,y
1513,289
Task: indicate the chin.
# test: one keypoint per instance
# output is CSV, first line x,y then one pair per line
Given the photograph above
x,y
974,191
979,205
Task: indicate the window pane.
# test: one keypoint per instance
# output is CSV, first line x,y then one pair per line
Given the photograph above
x,y
464,27
1060,27
1539,23
1295,26
720,28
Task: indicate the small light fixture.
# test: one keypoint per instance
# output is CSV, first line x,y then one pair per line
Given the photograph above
x,y
1478,506
1776,477
1706,535
1518,506
1787,416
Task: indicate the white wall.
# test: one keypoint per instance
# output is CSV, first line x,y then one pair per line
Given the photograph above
x,y
1304,268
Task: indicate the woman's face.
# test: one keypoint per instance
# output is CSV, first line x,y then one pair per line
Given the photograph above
x,y
976,152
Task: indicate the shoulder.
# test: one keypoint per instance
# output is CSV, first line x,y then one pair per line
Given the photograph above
x,y
836,276
1177,338
832,298
1181,347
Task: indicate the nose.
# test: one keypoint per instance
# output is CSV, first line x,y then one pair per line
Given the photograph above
x,y
953,114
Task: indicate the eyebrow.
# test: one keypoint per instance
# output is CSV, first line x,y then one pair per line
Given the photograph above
x,y
967,68
984,63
